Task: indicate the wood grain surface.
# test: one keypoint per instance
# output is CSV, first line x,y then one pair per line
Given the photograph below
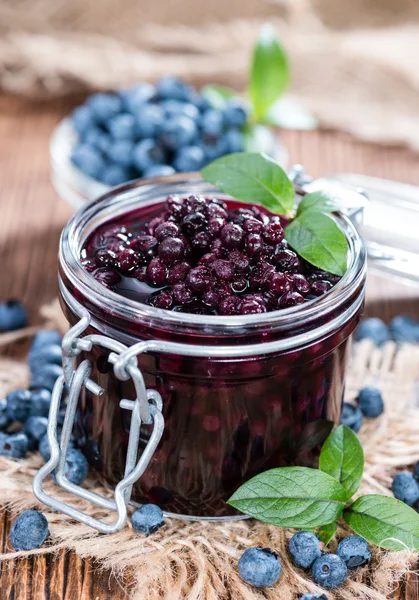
x,y
31,218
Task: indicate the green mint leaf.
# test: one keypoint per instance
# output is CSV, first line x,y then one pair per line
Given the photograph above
x,y
318,239
326,202
327,533
252,177
384,521
259,138
291,497
217,94
342,457
269,74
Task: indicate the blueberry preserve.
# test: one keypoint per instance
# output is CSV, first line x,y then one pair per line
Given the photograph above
x,y
262,385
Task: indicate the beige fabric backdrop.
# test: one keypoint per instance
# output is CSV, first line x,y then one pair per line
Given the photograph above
x,y
354,64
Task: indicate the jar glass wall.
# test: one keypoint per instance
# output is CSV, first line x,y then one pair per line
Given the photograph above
x,y
255,392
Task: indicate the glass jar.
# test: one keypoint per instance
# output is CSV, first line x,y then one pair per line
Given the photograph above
x,y
241,394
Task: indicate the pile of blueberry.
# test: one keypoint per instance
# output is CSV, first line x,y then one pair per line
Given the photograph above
x,y
402,329
369,403
207,258
260,567
148,131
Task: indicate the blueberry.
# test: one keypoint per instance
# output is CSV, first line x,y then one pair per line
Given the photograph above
x,y
354,551
147,519
46,337
82,119
76,466
116,174
45,377
120,153
313,596
189,158
35,428
29,530
44,448
404,330
99,139
122,126
406,488
51,355
175,108
214,148
178,131
212,122
159,171
374,329
19,405
4,417
329,571
370,402
351,416
41,401
134,98
235,113
260,567
14,445
13,315
87,159
416,471
104,106
234,140
146,154
173,88
149,121
304,549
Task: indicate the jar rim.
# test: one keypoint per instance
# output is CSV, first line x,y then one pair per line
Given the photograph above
x,y
126,197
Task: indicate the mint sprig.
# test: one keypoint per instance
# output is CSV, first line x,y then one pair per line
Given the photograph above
x,y
312,233
302,498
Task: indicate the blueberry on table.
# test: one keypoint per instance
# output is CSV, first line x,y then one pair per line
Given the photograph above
x,y
46,337
406,488
88,159
147,519
374,329
260,567
313,596
189,158
354,551
19,405
304,549
146,154
46,355
41,401
45,377
35,428
29,530
351,416
13,315
404,329
14,445
104,106
370,402
4,416
329,571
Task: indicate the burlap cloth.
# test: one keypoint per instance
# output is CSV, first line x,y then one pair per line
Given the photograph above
x,y
198,560
353,63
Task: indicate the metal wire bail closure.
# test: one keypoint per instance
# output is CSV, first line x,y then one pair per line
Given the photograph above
x,y
145,408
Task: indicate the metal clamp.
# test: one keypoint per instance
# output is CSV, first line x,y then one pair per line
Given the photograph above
x,y
146,408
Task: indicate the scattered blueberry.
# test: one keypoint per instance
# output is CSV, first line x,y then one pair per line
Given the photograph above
x,y
147,519
51,354
4,416
19,405
374,329
329,571
41,401
14,445
304,548
406,488
29,531
351,416
370,402
260,567
13,315
46,337
313,596
404,329
35,428
45,377
354,551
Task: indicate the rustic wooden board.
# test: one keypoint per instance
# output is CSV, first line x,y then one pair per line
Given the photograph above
x,y
31,218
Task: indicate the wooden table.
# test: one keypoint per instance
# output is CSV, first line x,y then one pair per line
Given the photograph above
x,y
31,218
